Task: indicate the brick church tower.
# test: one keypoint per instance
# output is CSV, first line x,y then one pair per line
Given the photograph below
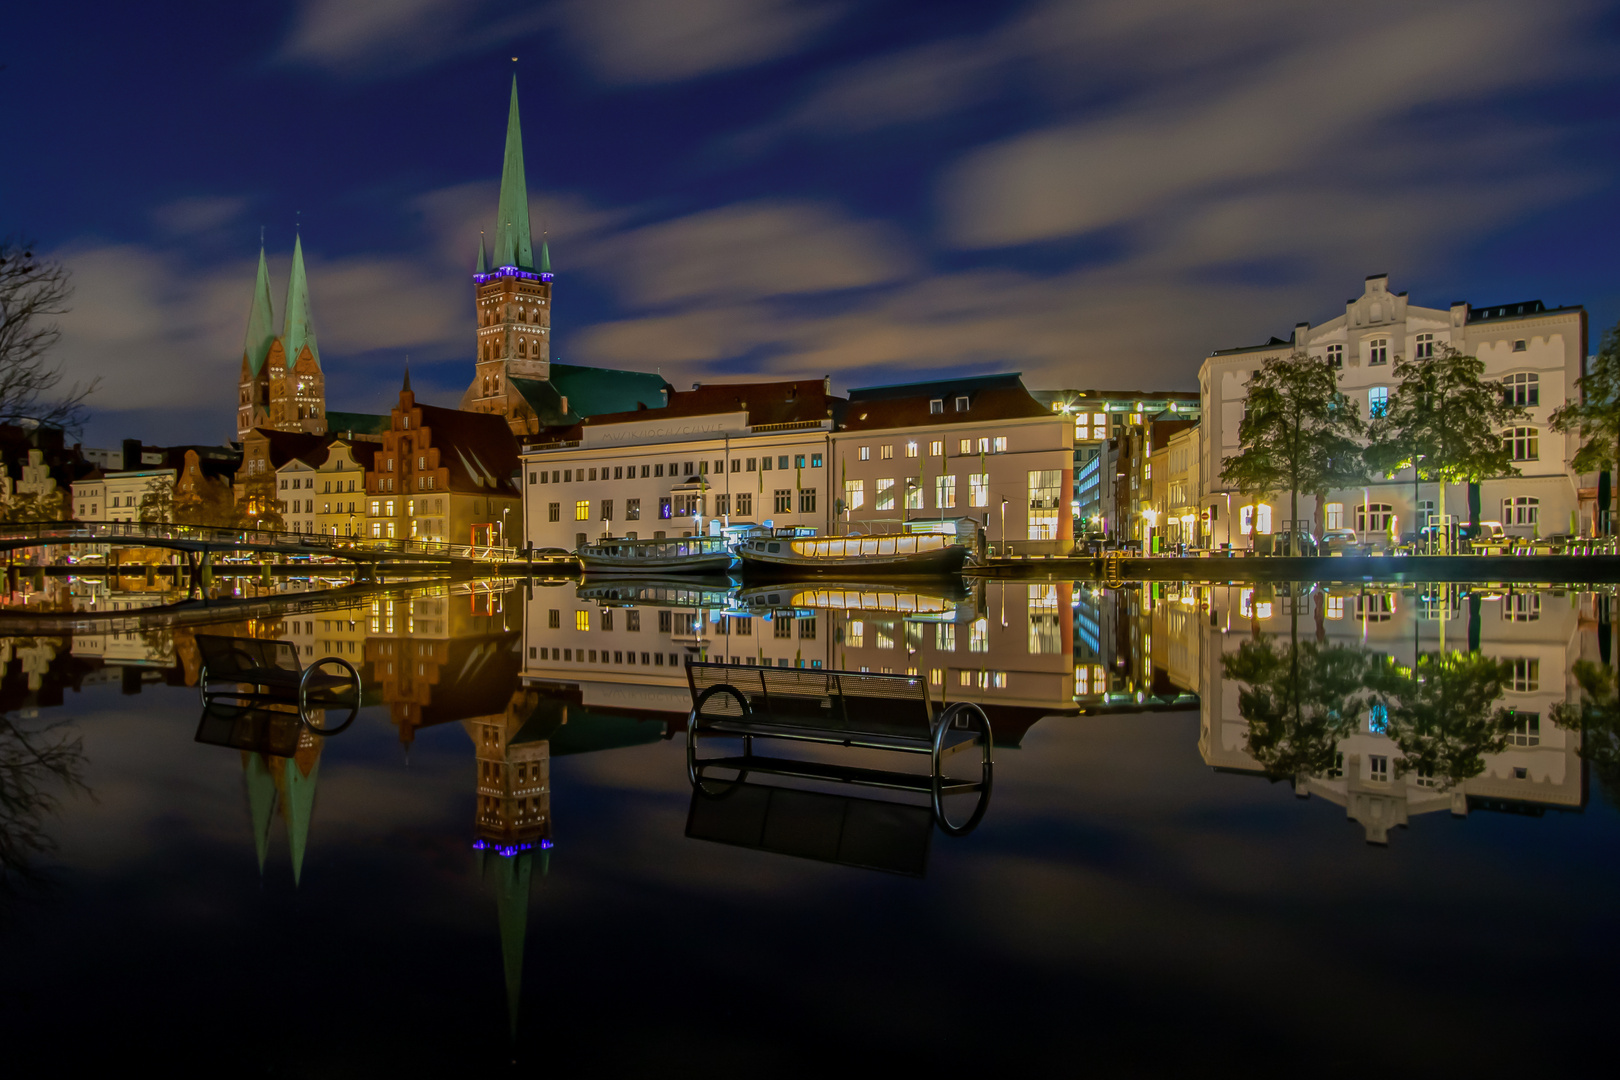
x,y
512,295
282,386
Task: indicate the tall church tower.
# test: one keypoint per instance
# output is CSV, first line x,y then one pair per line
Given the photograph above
x,y
512,296
282,386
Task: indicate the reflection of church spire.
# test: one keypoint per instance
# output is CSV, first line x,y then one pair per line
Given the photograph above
x,y
510,879
261,795
298,806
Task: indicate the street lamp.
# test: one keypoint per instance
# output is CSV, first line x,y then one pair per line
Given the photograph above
x,y
1004,527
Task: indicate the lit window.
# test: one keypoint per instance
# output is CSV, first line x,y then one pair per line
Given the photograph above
x,y
1378,401
911,449
582,510
865,453
936,448
1000,444
1334,513
964,446
886,452
582,620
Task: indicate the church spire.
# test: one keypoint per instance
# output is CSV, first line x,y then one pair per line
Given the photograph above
x,y
514,244
300,328
261,327
482,261
545,256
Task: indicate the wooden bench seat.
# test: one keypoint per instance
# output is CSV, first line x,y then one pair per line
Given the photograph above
x,y
854,709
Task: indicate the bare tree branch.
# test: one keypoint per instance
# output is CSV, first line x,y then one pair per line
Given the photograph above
x,y
32,292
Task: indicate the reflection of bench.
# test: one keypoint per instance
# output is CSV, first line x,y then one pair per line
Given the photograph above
x,y
839,708
842,829
257,670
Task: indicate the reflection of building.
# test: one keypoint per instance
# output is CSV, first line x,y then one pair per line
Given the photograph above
x,y
284,787
1535,633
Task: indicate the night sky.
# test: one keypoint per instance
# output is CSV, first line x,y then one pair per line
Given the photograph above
x,y
1095,194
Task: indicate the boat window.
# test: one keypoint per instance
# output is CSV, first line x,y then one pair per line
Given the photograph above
x,y
869,547
774,549
680,549
907,545
885,547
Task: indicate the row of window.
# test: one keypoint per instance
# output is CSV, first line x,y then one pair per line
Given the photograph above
x,y
936,448
1522,389
678,506
688,623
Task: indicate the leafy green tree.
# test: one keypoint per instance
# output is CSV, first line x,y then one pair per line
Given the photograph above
x,y
1444,421
1299,432
1595,417
259,506
157,501
1301,700
1597,717
1440,713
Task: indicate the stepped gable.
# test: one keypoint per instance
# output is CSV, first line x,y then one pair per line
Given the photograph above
x,y
990,397
478,449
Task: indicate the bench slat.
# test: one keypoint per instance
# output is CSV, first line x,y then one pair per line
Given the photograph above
x,y
767,729
817,770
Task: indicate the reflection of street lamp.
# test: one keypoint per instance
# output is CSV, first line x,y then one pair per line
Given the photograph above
x,y
504,512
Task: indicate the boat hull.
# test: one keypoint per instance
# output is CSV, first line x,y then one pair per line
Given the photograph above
x,y
704,563
946,560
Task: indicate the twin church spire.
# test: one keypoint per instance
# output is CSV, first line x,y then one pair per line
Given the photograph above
x,y
281,386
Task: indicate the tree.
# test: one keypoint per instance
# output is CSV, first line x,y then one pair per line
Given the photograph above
x,y
1299,432
1439,713
157,501
1597,718
259,507
37,764
1301,700
32,291
1595,417
1444,421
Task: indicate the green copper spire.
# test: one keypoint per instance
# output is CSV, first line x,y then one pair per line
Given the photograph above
x,y
300,328
298,805
514,245
481,260
261,328
545,257
261,793
509,879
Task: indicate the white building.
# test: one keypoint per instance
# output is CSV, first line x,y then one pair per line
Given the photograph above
x,y
1535,351
295,491
758,452
123,492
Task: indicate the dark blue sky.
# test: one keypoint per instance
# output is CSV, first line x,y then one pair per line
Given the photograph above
x,y
1096,194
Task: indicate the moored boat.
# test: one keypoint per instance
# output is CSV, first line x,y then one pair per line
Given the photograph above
x,y
672,555
854,556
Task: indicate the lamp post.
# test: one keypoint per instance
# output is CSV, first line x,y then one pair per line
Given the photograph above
x,y
504,511
1004,527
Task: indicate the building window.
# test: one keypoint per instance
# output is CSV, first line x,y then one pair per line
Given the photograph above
x,y
1378,401
936,448
582,510
807,501
1334,515
745,504
1246,519
885,493
784,500
911,449
1522,389
1374,517
961,403
582,620
964,446
945,492
632,509
1521,607
1524,728
1045,493
1335,357
1521,510
886,452
554,512
1519,346
936,406
854,494
1526,676
1423,348
1378,351
999,444
864,453
1523,444
1378,767
722,506
978,489
665,511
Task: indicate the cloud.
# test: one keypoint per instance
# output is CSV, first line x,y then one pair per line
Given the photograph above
x,y
626,42
756,249
657,41
197,215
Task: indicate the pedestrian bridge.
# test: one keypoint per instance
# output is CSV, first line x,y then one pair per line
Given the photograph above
x,y
201,543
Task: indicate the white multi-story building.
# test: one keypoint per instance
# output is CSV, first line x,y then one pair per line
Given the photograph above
x,y
756,452
1536,352
125,490
295,491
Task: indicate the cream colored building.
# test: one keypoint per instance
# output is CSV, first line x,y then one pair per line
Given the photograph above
x,y
1537,633
1535,351
295,493
340,488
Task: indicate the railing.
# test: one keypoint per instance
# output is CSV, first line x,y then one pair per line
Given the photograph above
x,y
792,425
90,532
560,444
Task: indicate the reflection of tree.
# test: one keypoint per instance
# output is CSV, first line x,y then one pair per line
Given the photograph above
x,y
1439,713
35,765
1597,717
1300,699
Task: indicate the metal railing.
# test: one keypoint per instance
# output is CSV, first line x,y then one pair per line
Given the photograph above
x,y
95,532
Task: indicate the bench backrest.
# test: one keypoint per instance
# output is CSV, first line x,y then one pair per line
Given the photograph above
x,y
855,701
228,656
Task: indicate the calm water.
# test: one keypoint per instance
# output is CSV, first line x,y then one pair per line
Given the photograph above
x,y
1325,828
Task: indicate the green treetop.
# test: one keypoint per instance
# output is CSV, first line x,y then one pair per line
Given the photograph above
x,y
1595,418
1444,421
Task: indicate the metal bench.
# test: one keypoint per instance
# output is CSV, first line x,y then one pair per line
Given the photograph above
x,y
852,709
261,671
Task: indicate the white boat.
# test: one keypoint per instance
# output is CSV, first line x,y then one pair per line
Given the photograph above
x,y
854,556
672,555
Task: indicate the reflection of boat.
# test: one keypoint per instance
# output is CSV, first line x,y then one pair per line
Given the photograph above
x,y
855,555
693,590
930,598
867,833
673,555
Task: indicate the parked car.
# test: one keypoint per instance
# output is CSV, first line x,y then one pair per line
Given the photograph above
x,y
1340,542
1293,542
1487,538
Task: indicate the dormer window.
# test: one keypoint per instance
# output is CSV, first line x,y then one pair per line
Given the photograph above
x,y
936,406
962,403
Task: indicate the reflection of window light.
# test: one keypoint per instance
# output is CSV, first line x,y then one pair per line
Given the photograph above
x,y
1335,607
1377,718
